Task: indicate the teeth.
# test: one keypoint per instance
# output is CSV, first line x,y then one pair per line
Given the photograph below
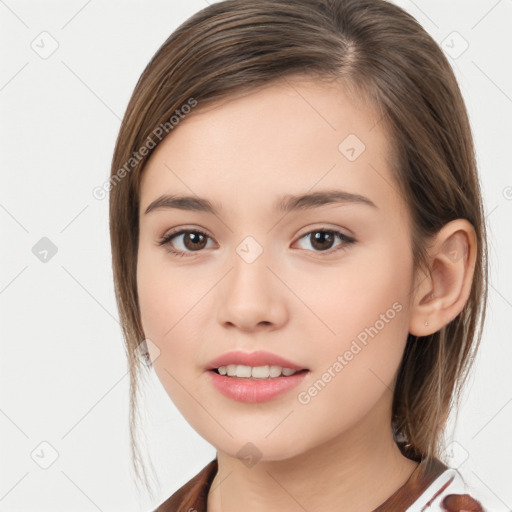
x,y
255,372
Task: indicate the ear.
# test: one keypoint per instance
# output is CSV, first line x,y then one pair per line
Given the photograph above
x,y
442,294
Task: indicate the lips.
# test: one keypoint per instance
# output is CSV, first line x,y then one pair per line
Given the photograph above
x,y
258,358
255,390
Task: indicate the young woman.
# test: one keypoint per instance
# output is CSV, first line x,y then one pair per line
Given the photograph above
x,y
299,251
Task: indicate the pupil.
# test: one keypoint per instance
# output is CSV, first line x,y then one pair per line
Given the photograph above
x,y
196,238
320,238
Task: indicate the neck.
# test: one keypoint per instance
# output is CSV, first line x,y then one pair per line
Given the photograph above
x,y
358,470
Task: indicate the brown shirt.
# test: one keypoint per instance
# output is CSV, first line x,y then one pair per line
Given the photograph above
x,y
193,496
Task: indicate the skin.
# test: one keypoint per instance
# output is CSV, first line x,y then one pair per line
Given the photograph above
x,y
296,300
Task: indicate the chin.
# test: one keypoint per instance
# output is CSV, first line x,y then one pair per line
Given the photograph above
x,y
251,450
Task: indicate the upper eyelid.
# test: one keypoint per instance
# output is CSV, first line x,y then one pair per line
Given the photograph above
x,y
327,228
309,230
182,231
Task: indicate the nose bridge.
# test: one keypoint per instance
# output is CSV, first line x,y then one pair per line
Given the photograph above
x,y
250,273
250,279
251,294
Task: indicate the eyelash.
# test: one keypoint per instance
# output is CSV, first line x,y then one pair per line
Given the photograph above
x,y
165,241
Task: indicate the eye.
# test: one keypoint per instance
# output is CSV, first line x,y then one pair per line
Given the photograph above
x,y
322,240
188,240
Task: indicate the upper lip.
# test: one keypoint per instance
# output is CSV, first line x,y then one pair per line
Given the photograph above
x,y
258,358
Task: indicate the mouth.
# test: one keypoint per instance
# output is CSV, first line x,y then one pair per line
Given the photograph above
x,y
266,372
257,376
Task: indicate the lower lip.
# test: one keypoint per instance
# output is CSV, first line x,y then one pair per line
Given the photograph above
x,y
255,390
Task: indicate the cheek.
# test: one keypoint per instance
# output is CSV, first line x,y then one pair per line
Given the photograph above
x,y
366,293
171,302
171,355
355,369
163,307
365,307
167,294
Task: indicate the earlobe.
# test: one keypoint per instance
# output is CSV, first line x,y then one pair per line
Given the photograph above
x,y
440,296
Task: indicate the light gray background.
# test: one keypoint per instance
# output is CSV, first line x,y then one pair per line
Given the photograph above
x,y
64,379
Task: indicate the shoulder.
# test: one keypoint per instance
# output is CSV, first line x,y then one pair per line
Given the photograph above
x,y
192,496
451,493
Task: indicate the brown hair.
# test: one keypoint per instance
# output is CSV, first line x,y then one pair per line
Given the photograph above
x,y
372,47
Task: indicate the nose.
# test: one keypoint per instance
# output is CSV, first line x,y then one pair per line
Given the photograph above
x,y
251,297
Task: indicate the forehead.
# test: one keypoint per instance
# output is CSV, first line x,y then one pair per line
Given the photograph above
x,y
287,137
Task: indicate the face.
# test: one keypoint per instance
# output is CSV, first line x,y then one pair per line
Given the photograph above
x,y
325,284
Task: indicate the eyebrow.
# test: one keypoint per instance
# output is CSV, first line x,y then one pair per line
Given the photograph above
x,y
284,204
